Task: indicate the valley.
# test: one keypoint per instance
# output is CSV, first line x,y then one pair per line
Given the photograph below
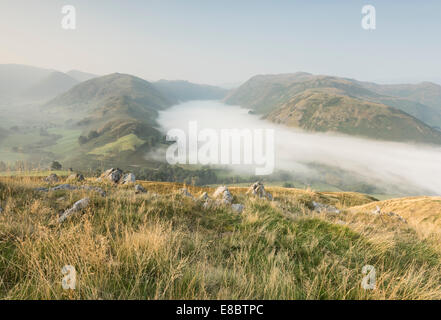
x,y
121,120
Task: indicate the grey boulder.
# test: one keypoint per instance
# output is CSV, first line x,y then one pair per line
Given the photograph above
x,y
223,193
139,189
78,206
128,178
112,175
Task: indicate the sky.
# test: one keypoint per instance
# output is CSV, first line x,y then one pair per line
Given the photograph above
x,y
226,42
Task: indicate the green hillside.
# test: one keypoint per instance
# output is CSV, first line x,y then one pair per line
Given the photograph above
x,y
116,115
322,111
264,94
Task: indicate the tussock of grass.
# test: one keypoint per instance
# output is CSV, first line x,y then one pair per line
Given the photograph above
x,y
166,246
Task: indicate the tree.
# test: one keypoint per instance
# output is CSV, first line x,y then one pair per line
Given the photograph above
x,y
92,135
56,165
82,140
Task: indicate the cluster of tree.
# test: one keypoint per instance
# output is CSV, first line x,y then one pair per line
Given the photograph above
x,y
84,139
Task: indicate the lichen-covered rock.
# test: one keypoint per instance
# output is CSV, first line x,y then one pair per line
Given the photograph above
x,y
139,189
128,178
377,210
237,207
258,189
223,193
52,178
42,189
324,208
204,197
112,175
77,207
75,177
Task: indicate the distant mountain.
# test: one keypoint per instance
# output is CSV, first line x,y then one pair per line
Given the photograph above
x,y
81,76
95,93
184,91
15,78
426,93
28,84
266,93
50,86
324,111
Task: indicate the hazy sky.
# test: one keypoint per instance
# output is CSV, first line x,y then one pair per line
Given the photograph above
x,y
226,41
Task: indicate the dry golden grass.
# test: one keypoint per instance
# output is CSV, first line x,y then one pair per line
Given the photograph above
x,y
422,213
161,245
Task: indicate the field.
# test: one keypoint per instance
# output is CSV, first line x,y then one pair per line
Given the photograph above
x,y
162,245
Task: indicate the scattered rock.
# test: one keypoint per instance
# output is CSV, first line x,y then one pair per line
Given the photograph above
x,y
224,193
52,178
140,189
258,189
76,177
237,207
113,175
320,207
128,178
77,207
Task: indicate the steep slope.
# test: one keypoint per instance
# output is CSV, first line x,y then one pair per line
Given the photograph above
x,y
324,111
51,86
81,76
264,93
184,91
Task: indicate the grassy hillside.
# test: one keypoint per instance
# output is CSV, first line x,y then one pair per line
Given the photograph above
x,y
116,115
423,213
161,245
265,93
324,111
96,92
